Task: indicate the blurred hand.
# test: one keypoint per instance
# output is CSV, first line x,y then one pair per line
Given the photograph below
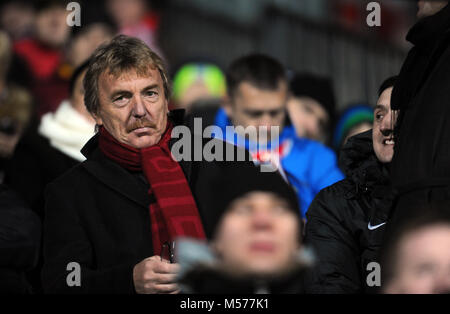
x,y
153,276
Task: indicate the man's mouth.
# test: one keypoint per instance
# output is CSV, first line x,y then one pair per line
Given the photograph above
x,y
262,247
140,127
388,141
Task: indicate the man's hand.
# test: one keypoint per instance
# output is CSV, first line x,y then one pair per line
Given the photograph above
x,y
152,276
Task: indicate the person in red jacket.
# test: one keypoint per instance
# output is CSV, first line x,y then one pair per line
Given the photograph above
x,y
43,55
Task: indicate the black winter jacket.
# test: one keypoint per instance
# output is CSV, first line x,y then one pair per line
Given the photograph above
x,y
420,166
340,219
97,215
20,233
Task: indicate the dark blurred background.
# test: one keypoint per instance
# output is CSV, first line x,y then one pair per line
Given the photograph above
x,y
327,37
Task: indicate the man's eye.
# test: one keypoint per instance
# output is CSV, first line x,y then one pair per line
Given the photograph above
x,y
254,114
378,116
151,93
274,113
121,100
243,210
280,210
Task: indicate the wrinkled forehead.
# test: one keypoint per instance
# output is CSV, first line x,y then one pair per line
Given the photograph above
x,y
112,77
144,71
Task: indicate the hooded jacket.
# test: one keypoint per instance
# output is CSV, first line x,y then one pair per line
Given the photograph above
x,y
346,221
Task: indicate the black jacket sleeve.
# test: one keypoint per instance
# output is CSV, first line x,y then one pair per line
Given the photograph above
x,y
20,235
66,241
327,232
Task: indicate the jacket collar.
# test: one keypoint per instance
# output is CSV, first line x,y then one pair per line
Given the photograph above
x,y
118,178
428,29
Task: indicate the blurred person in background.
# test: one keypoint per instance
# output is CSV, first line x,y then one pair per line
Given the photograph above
x,y
53,146
84,40
311,106
137,19
198,84
416,258
17,18
43,53
20,233
15,108
257,92
49,149
257,243
354,119
346,221
421,168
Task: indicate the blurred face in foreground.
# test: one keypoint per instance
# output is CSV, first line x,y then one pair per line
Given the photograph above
x,y
258,235
423,262
429,7
383,127
133,108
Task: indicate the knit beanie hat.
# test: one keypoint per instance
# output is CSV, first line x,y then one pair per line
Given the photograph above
x,y
351,117
318,88
251,179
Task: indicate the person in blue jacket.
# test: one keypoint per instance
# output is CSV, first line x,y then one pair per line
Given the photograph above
x,y
257,91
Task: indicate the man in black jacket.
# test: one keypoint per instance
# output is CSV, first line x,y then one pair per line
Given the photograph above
x,y
346,221
109,219
420,167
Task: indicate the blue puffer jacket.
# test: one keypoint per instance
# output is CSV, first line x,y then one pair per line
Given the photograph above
x,y
308,165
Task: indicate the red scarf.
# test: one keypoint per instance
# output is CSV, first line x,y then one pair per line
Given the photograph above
x,y
175,212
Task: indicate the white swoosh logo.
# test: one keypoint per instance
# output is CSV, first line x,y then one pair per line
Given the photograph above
x,y
375,227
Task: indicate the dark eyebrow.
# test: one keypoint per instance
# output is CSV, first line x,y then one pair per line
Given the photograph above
x,y
152,86
119,92
381,107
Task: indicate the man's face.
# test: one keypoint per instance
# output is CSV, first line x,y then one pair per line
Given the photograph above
x,y
251,106
310,119
133,108
423,264
259,234
429,7
383,127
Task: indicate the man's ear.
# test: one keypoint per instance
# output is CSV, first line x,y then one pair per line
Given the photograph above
x,y
97,118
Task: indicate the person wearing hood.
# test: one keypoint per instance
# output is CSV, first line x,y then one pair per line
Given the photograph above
x,y
420,167
256,247
346,221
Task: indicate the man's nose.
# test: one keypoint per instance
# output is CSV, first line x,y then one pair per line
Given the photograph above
x,y
262,220
266,121
387,124
138,107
